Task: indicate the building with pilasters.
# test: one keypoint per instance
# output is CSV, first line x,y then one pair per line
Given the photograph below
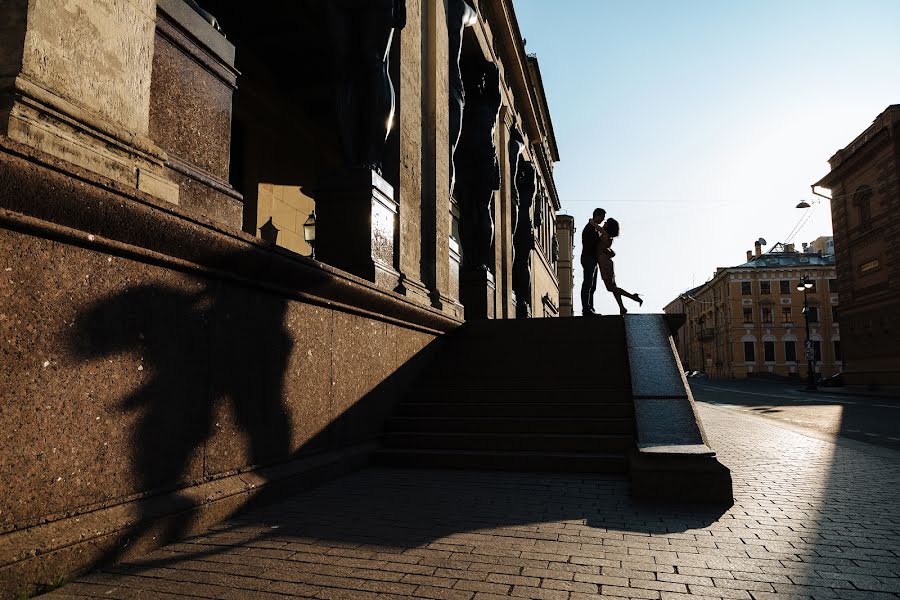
x,y
749,319
865,212
230,241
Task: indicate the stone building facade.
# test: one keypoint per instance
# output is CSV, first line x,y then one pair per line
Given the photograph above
x,y
748,319
565,234
168,349
865,212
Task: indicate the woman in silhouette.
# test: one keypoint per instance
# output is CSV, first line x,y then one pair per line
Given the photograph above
x,y
605,254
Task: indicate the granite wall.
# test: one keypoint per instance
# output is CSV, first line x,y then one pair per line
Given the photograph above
x,y
154,365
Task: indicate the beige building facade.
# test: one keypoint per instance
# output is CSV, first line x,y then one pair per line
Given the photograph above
x,y
748,319
565,234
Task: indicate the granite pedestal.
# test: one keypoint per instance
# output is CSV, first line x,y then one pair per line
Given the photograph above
x,y
477,293
356,225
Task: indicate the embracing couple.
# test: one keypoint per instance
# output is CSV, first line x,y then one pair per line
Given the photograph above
x,y
597,254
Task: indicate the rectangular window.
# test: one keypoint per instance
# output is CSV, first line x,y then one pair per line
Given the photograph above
x,y
817,348
834,314
786,314
790,351
767,315
748,315
838,356
745,288
832,286
813,314
769,351
765,287
749,352
785,287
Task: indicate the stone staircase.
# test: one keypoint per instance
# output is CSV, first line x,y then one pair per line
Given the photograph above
x,y
531,395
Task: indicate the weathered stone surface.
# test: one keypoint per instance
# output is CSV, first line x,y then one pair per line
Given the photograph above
x,y
83,95
101,63
409,123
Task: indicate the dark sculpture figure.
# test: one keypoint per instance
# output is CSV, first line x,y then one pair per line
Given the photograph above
x,y
460,14
516,150
364,32
523,239
211,19
479,171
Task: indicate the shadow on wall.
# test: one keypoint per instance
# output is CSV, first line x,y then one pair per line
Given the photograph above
x,y
204,354
218,389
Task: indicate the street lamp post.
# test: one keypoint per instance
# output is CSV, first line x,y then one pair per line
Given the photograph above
x,y
804,286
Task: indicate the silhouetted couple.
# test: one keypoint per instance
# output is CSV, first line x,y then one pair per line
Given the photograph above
x,y
597,255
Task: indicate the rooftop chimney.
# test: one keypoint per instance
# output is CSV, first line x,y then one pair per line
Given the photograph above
x,y
789,248
758,248
749,255
805,246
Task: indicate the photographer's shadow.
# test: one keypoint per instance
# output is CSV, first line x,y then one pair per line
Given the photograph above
x,y
206,353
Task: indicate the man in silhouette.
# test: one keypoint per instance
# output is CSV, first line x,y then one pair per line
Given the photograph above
x,y
589,239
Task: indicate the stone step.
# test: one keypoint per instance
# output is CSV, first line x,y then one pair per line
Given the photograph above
x,y
535,442
512,425
586,366
570,462
604,326
590,410
529,395
500,381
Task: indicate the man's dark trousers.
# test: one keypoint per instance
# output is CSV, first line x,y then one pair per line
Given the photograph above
x,y
588,284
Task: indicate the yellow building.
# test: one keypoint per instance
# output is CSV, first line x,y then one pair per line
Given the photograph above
x,y
748,319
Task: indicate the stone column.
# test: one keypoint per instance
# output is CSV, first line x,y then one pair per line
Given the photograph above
x,y
413,63
436,260
75,83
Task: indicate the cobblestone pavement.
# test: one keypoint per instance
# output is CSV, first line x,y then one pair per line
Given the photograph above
x,y
812,519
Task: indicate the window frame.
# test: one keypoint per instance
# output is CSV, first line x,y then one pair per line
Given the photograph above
x,y
792,355
751,355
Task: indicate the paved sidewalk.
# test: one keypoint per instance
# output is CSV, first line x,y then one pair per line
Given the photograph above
x,y
812,519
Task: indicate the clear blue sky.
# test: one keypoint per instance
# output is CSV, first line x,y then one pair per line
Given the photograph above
x,y
699,124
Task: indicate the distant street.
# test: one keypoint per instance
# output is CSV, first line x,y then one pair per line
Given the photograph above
x,y
867,419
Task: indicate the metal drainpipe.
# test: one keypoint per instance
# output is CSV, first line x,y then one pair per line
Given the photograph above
x,y
813,187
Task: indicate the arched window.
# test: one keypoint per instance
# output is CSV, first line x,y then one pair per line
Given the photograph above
x,y
862,200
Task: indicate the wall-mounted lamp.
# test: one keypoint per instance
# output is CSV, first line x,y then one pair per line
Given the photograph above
x,y
309,232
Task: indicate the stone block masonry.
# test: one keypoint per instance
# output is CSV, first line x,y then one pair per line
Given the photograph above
x,y
811,519
159,372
